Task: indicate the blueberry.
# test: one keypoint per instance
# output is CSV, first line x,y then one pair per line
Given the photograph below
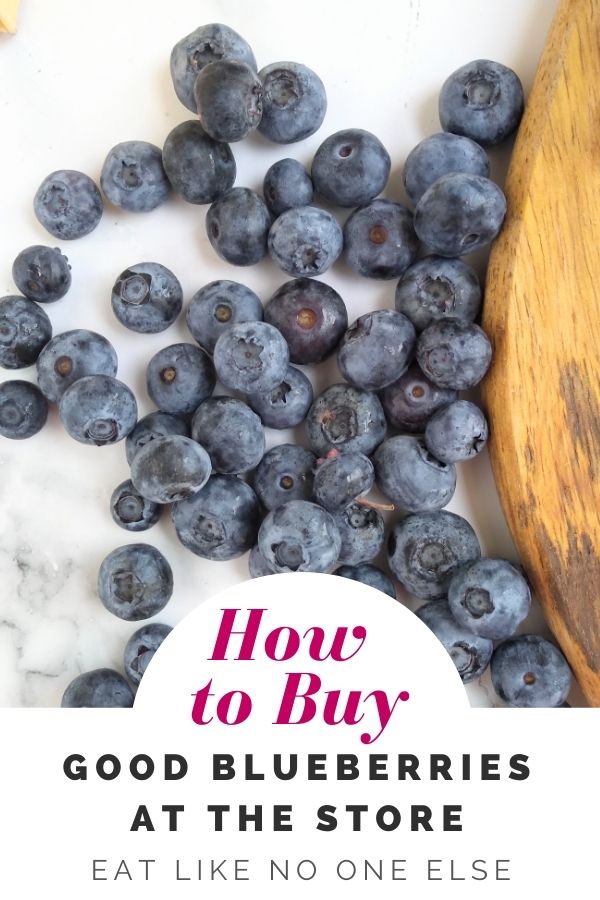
x,y
469,652
285,473
426,549
155,424
376,349
410,402
459,214
229,99
305,241
411,477
219,522
98,409
206,44
257,565
457,432
141,647
170,468
25,330
70,356
133,176
23,409
130,510
251,357
438,288
482,100
453,355
530,671
98,689
351,167
287,404
441,154
489,597
299,537
179,378
68,204
147,298
198,168
380,240
294,102
345,418
311,316
231,433
219,305
135,582
362,531
42,273
342,478
237,224
287,185
370,575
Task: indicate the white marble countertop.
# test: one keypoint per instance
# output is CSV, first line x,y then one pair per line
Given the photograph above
x,y
77,79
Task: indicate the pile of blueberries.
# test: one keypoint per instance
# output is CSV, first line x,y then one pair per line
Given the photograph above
x,y
301,510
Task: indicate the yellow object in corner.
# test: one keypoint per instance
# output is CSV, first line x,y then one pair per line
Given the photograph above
x,y
8,15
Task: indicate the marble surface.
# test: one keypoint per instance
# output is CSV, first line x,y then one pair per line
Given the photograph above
x,y
79,78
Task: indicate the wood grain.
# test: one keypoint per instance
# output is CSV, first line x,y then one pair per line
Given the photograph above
x,y
542,312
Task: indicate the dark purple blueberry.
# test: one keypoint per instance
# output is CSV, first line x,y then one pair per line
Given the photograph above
x,y
287,185
305,241
294,102
411,401
170,468
299,537
286,405
25,329
179,378
370,575
237,225
98,689
229,99
311,316
529,671
482,100
130,510
457,432
469,652
133,176
135,582
23,410
362,531
285,473
141,647
345,418
342,478
155,424
231,433
70,356
147,298
98,410
199,169
42,273
351,167
257,564
453,355
411,477
438,288
376,349
251,357
380,240
442,154
489,597
68,204
219,305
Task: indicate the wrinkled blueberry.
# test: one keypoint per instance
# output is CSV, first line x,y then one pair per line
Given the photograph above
x,y
170,468
219,305
351,167
237,224
133,176
198,168
130,510
457,432
155,424
441,154
311,316
411,477
98,689
380,240
179,378
345,418
98,409
362,531
231,433
135,582
285,405
285,473
42,273
370,575
469,652
411,401
68,204
294,102
229,99
453,355
376,349
251,357
70,356
147,298
23,409
342,478
141,647
482,100
489,597
529,671
287,185
25,330
299,537
438,288
305,241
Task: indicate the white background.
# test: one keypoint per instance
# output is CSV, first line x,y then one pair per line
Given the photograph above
x,y
80,77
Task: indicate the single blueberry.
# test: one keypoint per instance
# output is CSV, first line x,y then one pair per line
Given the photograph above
x,y
489,597
251,357
482,100
170,468
311,316
305,241
98,410
410,402
155,424
469,652
25,329
238,224
199,169
529,671
380,240
179,378
285,473
426,549
221,521
42,273
206,44
70,356
342,478
130,510
438,288
217,306
411,477
231,433
459,214
376,349
299,537
229,99
286,405
453,355
457,432
98,689
294,102
370,575
257,564
147,298
68,204
133,176
362,531
287,185
351,167
141,647
442,154
345,418
23,409
135,582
